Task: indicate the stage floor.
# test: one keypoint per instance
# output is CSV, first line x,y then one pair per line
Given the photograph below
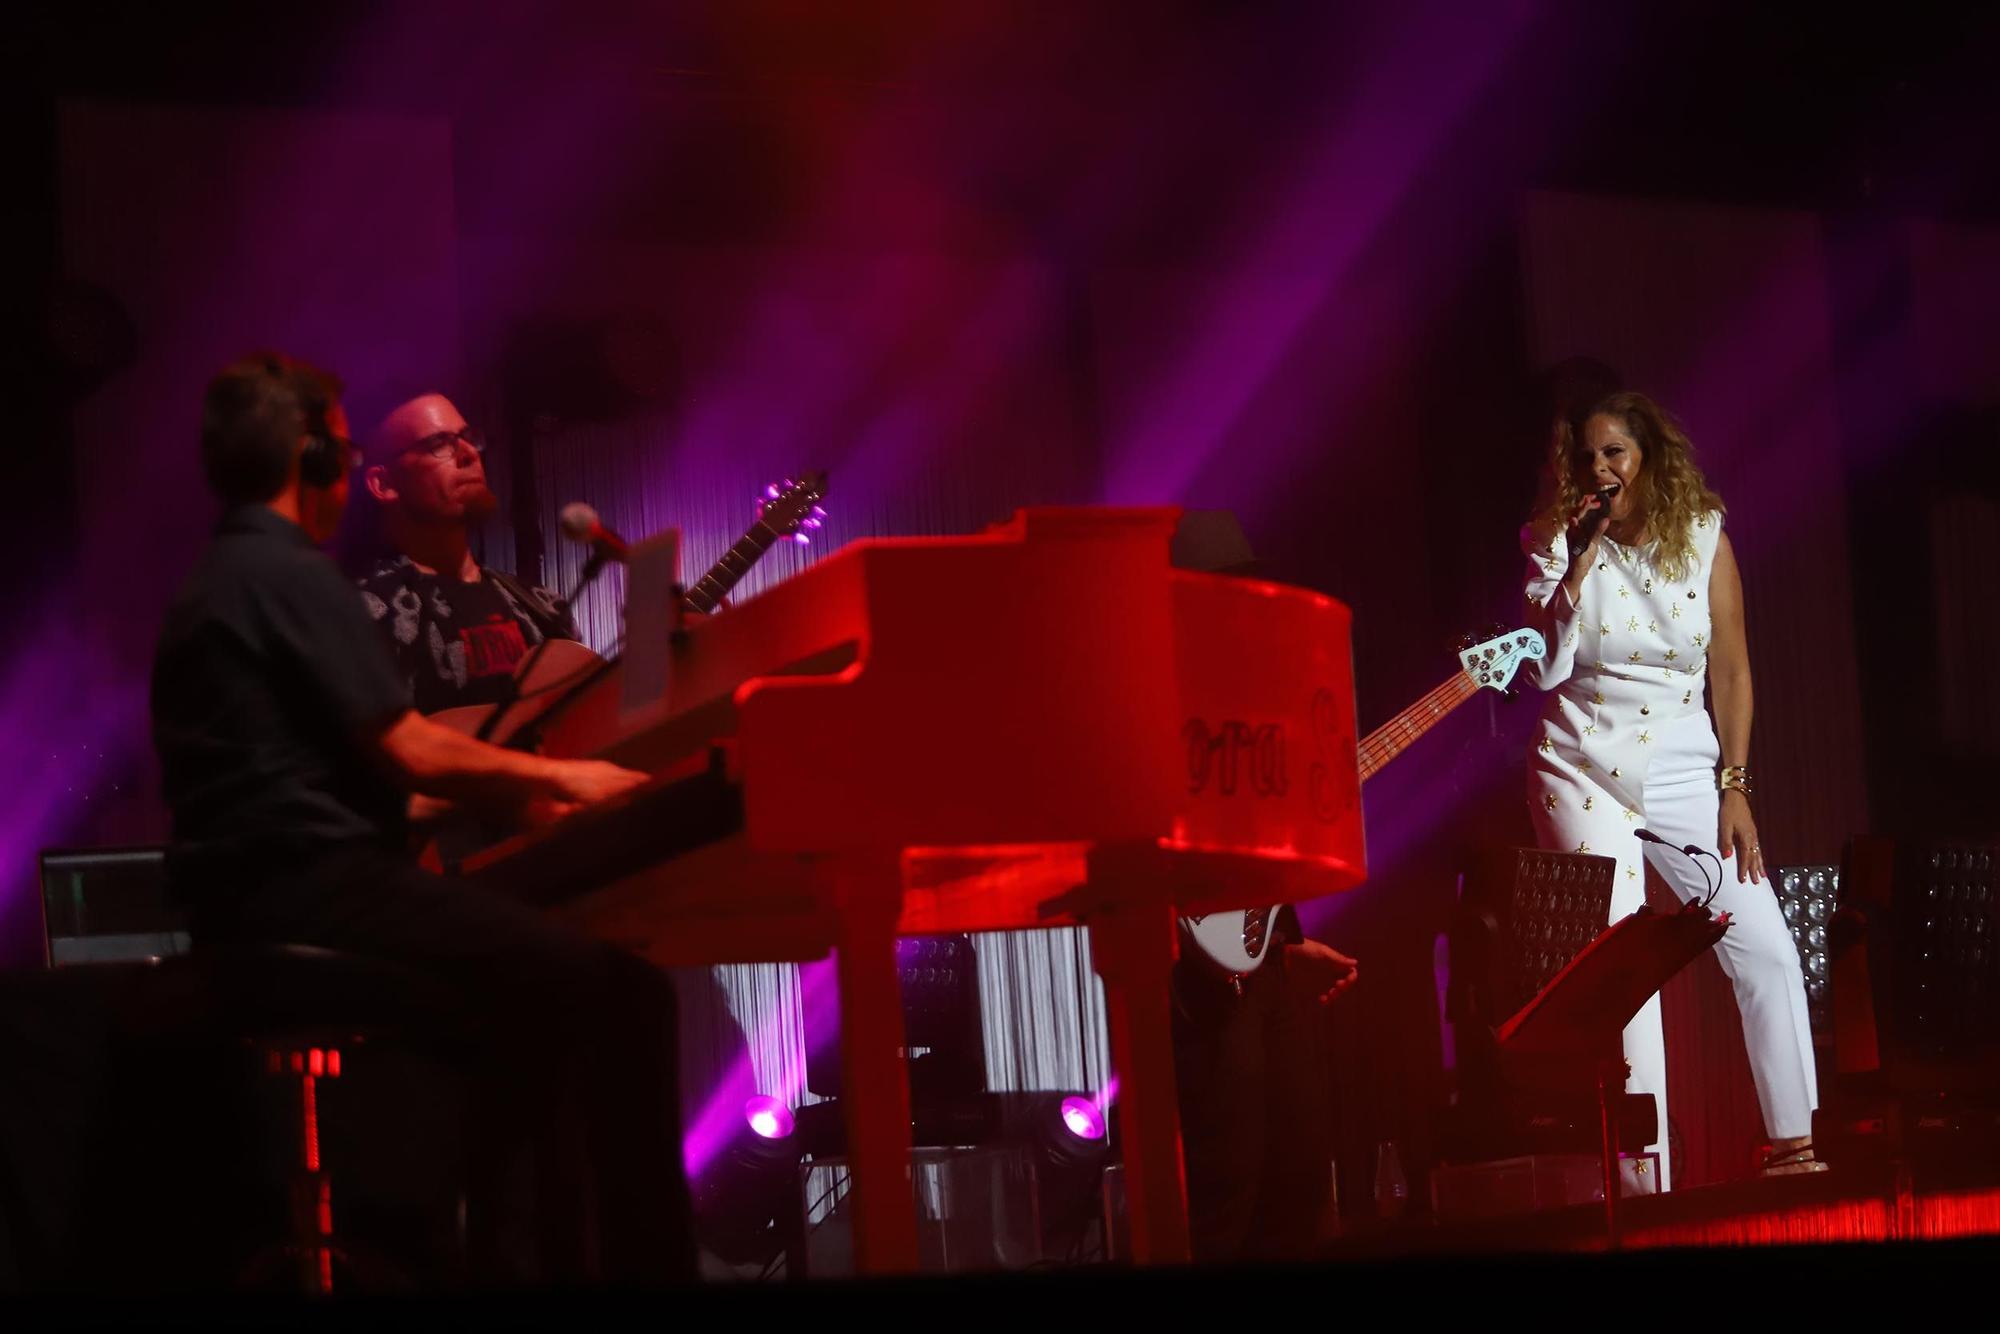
x,y
1850,1203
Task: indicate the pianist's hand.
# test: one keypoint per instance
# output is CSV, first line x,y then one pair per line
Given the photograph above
x,y
1319,970
581,782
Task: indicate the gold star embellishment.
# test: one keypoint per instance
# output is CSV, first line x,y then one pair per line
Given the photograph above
x,y
1645,738
1549,801
1571,641
1676,610
1603,629
1583,847
1597,697
1631,622
1617,773
1631,814
1547,745
1700,640
1588,802
1631,874
1590,729
1673,653
1635,656
1623,592
1583,766
1688,697
1652,627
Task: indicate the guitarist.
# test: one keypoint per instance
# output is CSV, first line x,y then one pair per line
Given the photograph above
x,y
1249,1053
458,630
1256,1098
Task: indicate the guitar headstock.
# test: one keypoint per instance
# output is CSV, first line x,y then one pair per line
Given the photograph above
x,y
791,508
1493,660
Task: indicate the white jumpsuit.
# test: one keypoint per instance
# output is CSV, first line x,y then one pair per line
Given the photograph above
x,y
1625,743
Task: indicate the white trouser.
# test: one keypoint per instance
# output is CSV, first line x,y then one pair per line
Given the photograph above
x,y
1680,804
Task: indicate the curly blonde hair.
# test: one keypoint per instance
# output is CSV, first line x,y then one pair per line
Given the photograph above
x,y
1671,488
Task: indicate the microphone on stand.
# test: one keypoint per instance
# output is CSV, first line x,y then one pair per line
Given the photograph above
x,y
1693,854
581,524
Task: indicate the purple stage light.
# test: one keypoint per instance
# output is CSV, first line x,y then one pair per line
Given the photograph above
x,y
1082,1119
768,1117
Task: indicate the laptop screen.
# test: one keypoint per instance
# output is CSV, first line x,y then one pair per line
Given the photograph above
x,y
108,905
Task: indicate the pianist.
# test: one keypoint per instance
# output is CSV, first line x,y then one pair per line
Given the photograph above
x,y
287,747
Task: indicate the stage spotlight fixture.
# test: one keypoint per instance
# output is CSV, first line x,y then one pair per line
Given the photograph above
x,y
746,1202
1082,1119
769,1118
1069,1138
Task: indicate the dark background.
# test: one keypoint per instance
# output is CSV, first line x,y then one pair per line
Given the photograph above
x,y
1300,261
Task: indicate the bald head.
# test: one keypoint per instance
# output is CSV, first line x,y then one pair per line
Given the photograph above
x,y
424,465
409,422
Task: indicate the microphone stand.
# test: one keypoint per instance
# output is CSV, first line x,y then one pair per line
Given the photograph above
x,y
591,569
530,734
1693,854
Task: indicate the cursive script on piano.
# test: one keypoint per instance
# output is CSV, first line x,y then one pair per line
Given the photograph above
x,y
1224,753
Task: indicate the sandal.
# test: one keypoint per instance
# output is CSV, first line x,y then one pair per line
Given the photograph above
x,y
1790,1157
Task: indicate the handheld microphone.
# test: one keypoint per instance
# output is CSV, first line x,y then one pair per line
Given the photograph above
x,y
581,524
1593,520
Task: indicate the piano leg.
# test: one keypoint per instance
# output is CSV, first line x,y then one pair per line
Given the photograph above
x,y
1132,945
874,1074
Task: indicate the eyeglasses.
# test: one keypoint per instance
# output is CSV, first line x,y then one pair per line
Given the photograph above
x,y
443,445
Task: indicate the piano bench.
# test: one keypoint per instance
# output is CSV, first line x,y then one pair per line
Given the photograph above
x,y
333,1076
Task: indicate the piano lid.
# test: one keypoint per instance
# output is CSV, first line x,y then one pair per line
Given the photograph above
x,y
1055,681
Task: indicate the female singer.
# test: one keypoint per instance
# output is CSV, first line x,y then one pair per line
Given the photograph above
x,y
1636,591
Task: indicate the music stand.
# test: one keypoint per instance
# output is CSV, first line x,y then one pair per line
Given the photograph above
x,y
652,615
1572,1026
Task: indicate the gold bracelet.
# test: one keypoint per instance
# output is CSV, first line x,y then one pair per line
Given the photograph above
x,y
1733,778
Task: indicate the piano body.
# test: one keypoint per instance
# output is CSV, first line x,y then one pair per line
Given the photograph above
x,y
1039,725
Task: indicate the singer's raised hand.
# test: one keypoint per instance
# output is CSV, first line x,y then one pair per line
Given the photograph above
x,y
1586,526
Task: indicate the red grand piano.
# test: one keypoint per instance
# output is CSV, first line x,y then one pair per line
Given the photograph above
x,y
1039,725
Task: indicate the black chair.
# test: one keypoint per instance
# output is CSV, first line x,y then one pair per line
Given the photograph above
x,y
246,1074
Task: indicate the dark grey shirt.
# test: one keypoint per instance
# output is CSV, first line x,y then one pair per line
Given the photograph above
x,y
268,677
